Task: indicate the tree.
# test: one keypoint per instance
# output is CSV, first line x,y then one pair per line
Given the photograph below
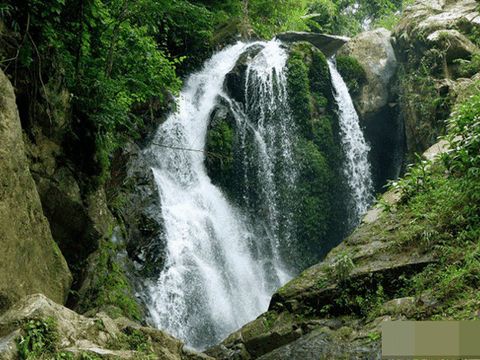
x,y
349,17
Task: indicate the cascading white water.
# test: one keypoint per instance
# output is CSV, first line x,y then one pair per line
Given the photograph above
x,y
357,168
213,282
221,266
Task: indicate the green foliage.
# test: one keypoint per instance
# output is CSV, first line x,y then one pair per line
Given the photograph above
x,y
39,340
358,297
110,285
352,73
130,339
464,138
466,68
416,178
111,61
219,156
350,17
343,266
271,17
374,336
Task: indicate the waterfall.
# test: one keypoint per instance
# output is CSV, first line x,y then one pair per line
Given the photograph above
x,y
356,168
226,257
220,270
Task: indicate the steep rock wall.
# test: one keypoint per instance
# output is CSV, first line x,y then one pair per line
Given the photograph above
x,y
437,46
31,261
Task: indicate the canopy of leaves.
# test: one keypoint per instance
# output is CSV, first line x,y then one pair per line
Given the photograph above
x,y
349,17
120,56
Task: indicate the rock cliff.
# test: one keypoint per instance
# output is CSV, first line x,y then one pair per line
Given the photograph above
x,y
31,261
327,44
437,48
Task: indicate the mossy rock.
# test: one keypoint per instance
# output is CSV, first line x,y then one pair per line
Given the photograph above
x,y
352,73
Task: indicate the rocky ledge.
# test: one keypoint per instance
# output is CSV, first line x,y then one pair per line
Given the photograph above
x,y
328,44
36,325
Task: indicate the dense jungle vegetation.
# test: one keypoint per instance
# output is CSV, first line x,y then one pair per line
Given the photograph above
x,y
119,59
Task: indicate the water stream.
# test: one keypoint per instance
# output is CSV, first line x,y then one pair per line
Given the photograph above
x,y
356,168
214,280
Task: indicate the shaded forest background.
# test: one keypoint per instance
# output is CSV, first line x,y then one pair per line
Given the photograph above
x,y
121,60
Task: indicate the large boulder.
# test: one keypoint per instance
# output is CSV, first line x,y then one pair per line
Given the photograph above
x,y
31,261
376,102
374,52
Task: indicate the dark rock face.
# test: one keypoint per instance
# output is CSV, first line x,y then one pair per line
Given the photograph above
x,y
317,345
235,79
327,44
138,205
72,227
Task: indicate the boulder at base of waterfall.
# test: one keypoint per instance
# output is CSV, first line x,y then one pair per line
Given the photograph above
x,y
328,44
41,327
30,261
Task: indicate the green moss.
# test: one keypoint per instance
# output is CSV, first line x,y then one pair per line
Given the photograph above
x,y
270,318
316,151
315,180
298,86
110,285
319,75
56,250
352,73
219,157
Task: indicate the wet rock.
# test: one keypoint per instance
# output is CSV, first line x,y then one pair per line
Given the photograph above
x,y
433,36
375,53
317,345
327,44
455,44
235,80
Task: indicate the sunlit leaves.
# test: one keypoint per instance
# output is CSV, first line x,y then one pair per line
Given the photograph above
x,y
349,17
